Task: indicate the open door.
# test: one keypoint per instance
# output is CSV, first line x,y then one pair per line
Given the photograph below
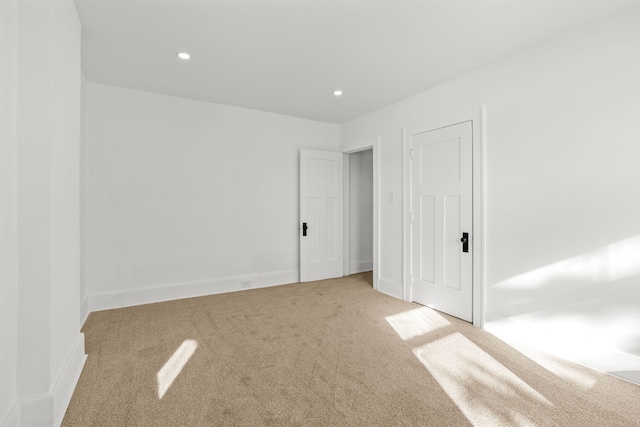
x,y
442,219
321,215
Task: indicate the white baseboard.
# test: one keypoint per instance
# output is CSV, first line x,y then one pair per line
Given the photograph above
x,y
67,378
48,409
37,410
12,417
360,267
390,288
128,298
516,331
631,376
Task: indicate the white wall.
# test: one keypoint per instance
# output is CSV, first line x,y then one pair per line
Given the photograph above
x,y
186,198
41,338
561,199
8,214
361,211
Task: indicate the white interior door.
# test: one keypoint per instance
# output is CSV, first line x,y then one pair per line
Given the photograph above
x,y
321,215
441,211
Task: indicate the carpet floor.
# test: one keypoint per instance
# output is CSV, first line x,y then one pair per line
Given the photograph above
x,y
326,353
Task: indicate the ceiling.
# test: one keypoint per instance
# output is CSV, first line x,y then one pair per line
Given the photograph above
x,y
288,56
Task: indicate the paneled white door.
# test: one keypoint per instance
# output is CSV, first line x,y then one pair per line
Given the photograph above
x,y
321,215
441,219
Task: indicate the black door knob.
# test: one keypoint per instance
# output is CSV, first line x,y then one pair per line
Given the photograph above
x,y
465,242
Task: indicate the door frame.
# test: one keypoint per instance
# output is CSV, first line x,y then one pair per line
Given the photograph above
x,y
476,117
350,148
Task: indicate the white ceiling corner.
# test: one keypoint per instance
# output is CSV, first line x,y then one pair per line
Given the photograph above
x,y
288,56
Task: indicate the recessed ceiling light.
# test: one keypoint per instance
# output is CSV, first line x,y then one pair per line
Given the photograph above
x,y
337,92
184,55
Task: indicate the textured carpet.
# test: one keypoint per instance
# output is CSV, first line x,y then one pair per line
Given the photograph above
x,y
326,353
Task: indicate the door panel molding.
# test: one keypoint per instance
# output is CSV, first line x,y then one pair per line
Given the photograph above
x,y
321,215
476,117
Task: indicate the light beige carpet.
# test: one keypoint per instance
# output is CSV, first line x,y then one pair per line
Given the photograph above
x,y
327,353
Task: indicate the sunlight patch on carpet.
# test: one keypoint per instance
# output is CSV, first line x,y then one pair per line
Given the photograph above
x,y
174,365
413,323
484,390
568,371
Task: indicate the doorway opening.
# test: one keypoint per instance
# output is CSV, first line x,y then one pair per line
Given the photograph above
x,y
361,249
360,212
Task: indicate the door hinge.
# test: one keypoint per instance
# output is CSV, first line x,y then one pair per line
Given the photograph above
x,y
411,217
411,153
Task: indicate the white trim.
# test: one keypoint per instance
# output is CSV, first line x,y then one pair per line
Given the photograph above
x,y
476,116
406,224
611,361
49,408
376,213
12,417
37,410
153,294
349,148
360,266
631,376
67,378
346,213
363,145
